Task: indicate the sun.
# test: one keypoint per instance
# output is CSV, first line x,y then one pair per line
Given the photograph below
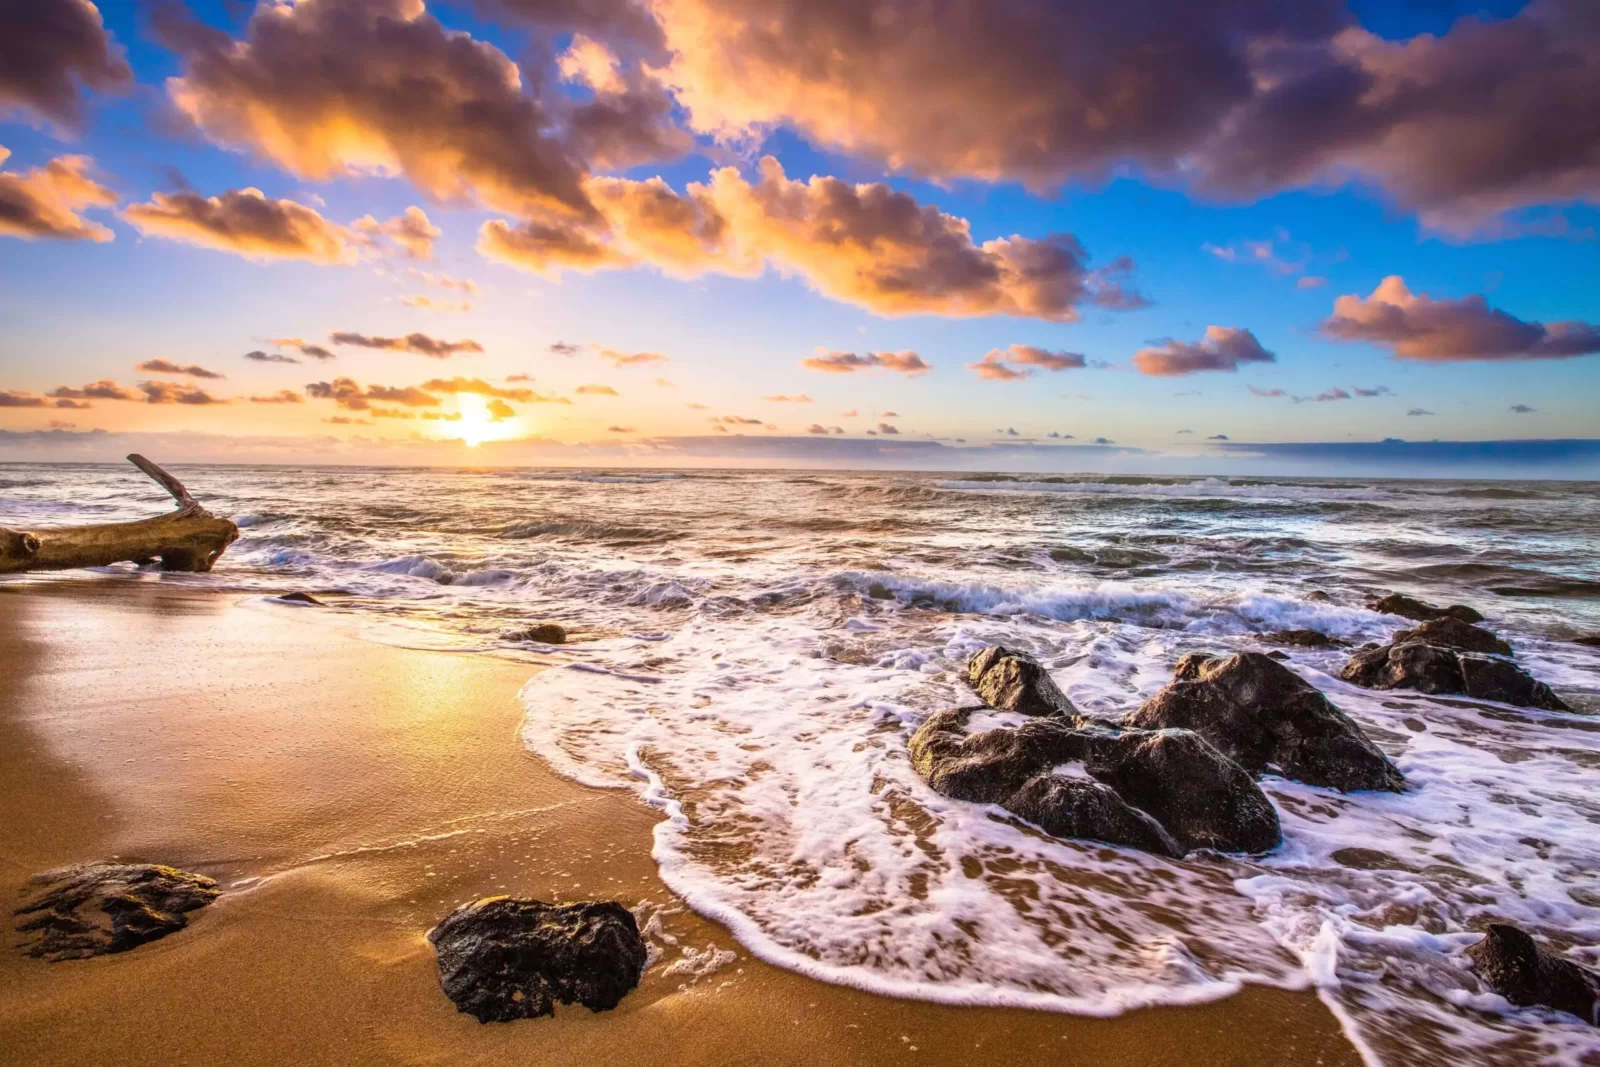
x,y
477,423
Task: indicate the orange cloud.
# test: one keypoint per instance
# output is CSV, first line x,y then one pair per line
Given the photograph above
x,y
830,362
282,396
1222,349
1417,327
45,201
411,231
165,366
595,390
246,222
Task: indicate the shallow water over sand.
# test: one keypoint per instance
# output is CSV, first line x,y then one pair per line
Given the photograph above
x,y
753,650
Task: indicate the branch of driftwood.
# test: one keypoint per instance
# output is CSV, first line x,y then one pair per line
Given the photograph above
x,y
189,539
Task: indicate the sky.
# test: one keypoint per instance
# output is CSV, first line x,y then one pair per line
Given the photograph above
x,y
1233,236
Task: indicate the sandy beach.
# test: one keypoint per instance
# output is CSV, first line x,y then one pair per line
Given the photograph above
x,y
347,795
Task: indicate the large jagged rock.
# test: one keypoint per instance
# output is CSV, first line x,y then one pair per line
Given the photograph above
x,y
1014,681
502,959
1514,966
1262,715
1444,671
1453,633
95,908
1418,611
1164,791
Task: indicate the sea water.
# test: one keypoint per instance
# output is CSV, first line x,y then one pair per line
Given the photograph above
x,y
752,650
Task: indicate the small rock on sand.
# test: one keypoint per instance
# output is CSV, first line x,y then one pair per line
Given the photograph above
x,y
502,959
95,908
545,633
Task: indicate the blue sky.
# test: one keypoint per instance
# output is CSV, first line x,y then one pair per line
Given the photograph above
x,y
81,310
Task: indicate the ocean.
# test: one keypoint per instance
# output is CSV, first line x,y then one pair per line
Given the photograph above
x,y
750,652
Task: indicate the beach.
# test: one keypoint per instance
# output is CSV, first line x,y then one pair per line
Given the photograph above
x,y
347,795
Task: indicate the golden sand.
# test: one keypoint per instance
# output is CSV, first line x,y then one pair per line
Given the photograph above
x,y
347,795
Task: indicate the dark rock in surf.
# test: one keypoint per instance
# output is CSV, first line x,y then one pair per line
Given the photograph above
x,y
1301,639
96,908
1418,611
1317,596
502,959
1450,632
1262,715
1165,792
1200,796
1588,640
1014,681
545,633
1278,654
1514,966
1445,671
299,598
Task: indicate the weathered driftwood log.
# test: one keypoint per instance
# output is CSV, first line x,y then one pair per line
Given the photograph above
x,y
189,539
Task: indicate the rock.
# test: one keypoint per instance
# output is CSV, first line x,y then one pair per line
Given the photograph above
x,y
1317,596
1301,639
502,959
299,598
1200,796
1417,611
545,633
95,908
1515,966
1124,789
1445,671
1278,654
1014,681
1260,715
1448,632
1588,640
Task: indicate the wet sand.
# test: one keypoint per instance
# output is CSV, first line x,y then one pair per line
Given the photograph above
x,y
347,795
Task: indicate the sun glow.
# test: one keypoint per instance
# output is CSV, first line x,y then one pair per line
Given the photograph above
x,y
477,423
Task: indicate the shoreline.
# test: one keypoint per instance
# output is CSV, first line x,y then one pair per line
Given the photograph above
x,y
347,794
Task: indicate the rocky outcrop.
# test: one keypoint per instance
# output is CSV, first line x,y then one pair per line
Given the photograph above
x,y
1514,966
502,959
1014,681
1417,611
1263,716
1162,791
1301,639
95,908
1453,633
545,633
1437,670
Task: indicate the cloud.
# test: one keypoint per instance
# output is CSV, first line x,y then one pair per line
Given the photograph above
x,y
177,393
1235,98
632,359
630,118
887,429
565,348
333,88
830,362
163,366
1311,281
499,410
798,398
1103,441
1260,253
282,396
734,420
419,343
243,221
445,281
349,394
104,389
1382,390
1521,409
1414,412
477,386
1332,394
12,398
1217,437
662,383
1222,349
868,245
595,390
1258,391
312,351
259,356
45,201
411,231
995,363
428,303
48,51
620,429
1418,327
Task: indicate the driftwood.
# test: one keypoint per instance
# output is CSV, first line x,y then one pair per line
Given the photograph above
x,y
189,539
